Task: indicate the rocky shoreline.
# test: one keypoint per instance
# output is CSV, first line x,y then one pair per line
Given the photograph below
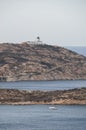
x,y
28,97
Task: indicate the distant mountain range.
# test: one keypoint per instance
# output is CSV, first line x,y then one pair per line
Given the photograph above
x,y
28,61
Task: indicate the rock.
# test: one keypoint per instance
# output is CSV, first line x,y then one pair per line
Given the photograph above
x,y
16,97
40,62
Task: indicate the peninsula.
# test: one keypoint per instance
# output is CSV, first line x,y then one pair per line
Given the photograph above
x,y
26,61
26,97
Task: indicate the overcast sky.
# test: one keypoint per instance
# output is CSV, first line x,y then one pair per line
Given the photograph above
x,y
57,22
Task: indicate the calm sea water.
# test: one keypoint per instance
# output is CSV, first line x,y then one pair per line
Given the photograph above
x,y
44,85
40,117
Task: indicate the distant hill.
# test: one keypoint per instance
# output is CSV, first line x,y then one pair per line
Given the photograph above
x,y
27,61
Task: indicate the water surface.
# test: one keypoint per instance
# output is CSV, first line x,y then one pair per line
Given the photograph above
x,y
44,85
40,117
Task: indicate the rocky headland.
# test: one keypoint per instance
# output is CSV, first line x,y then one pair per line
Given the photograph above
x,y
28,61
26,97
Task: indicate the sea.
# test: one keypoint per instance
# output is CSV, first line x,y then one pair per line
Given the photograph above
x,y
40,117
79,49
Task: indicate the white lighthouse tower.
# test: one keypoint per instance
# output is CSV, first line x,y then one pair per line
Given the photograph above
x,y
38,41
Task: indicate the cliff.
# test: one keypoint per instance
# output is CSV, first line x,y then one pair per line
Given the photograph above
x,y
22,97
27,61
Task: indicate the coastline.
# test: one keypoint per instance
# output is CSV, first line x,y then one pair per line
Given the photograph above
x,y
28,97
62,102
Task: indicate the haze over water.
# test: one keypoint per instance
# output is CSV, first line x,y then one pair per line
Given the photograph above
x,y
79,49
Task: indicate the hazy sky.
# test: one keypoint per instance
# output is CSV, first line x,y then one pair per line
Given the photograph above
x,y
58,22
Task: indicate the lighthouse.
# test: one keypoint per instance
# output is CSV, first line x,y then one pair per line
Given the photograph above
x,y
38,40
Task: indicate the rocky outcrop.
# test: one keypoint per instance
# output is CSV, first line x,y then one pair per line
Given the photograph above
x,y
16,97
39,62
